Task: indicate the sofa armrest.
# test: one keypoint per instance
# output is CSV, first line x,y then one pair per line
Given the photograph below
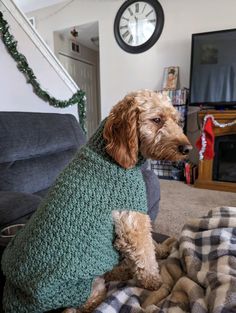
x,y
153,191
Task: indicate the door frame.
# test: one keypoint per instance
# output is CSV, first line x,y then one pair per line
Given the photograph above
x,y
97,85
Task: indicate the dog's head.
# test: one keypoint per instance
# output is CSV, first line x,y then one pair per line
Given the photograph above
x,y
145,122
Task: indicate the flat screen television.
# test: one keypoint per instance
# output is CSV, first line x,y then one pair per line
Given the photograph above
x,y
213,69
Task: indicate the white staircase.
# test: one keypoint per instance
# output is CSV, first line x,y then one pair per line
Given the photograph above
x,y
49,72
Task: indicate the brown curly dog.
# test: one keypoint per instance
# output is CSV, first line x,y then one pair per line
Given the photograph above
x,y
143,123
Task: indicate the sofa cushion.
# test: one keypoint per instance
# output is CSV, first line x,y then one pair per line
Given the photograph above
x,y
153,191
42,193
33,174
15,205
35,147
25,135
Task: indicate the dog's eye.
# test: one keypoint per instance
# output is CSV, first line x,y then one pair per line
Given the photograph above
x,y
157,120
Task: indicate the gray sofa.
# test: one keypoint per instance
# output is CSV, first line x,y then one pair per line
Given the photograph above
x,y
34,149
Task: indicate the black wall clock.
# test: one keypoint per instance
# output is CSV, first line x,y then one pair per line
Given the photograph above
x,y
138,25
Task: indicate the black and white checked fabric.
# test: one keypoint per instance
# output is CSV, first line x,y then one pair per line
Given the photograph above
x,y
122,297
206,258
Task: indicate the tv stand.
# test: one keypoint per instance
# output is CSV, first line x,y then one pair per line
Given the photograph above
x,y
205,168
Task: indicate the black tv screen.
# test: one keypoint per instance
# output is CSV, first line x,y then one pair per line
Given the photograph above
x,y
213,69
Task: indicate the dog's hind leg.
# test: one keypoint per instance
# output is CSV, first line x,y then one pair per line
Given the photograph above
x,y
163,249
121,272
171,272
98,295
134,241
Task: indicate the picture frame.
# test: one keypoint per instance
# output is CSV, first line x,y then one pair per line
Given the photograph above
x,y
171,77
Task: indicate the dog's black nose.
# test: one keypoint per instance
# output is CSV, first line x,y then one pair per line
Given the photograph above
x,y
184,149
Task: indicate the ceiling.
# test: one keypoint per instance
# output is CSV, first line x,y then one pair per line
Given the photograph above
x,y
32,5
85,33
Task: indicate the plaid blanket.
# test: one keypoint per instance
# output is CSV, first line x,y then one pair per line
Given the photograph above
x,y
199,275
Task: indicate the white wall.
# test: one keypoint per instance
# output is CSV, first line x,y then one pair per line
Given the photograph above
x,y
122,72
62,44
16,94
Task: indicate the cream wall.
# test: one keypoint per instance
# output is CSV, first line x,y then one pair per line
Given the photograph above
x,y
122,72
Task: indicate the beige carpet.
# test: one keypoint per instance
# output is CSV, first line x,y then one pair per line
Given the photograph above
x,y
179,202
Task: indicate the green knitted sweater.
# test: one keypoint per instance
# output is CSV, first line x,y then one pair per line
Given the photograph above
x,y
52,262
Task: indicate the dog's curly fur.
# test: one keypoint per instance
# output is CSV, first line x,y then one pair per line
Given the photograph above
x,y
134,242
145,123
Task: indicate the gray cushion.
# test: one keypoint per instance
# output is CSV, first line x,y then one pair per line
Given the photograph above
x,y
42,193
153,191
24,135
33,174
35,147
15,205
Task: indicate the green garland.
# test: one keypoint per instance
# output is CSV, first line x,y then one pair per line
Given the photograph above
x,y
22,64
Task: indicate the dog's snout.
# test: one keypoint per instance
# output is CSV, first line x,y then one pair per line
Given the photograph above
x,y
184,149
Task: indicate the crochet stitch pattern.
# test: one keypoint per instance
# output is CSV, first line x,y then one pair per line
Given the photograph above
x,y
52,262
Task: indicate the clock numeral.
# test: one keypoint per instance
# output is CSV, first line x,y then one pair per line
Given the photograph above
x,y
124,27
125,34
149,13
144,7
124,18
153,21
130,11
137,7
130,39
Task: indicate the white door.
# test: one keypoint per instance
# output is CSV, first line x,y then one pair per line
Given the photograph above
x,y
84,74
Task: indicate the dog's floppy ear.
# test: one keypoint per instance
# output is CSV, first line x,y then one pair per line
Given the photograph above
x,y
120,132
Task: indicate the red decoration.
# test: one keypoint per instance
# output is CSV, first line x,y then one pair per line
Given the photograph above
x,y
207,139
187,173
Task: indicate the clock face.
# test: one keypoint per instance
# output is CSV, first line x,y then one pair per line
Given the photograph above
x,y
138,25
